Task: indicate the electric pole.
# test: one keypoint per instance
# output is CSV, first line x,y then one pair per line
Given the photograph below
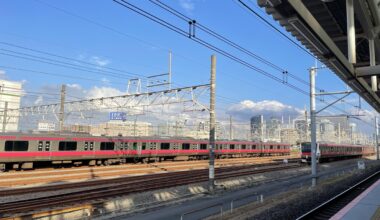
x,y
313,135
377,137
5,116
231,135
62,108
212,125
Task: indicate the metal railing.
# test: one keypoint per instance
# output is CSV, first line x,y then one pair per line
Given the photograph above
x,y
258,198
220,205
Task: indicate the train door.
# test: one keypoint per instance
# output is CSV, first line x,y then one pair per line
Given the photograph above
x,y
139,149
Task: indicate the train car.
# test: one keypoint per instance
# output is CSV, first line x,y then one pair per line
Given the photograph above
x,y
23,151
326,151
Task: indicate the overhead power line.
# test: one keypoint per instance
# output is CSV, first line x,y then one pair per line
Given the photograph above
x,y
191,35
205,43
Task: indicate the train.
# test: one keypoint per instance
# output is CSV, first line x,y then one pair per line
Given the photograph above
x,y
328,151
24,151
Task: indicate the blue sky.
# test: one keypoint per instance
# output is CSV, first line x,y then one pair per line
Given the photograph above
x,y
143,46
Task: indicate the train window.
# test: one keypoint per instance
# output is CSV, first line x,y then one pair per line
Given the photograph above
x,y
232,146
134,146
47,146
67,146
253,147
203,146
121,146
85,145
165,146
16,145
91,145
243,146
153,145
271,147
143,146
185,146
107,146
126,145
40,145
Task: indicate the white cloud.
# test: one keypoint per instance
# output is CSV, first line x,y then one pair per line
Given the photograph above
x,y
98,92
269,108
187,5
39,100
74,86
105,81
99,61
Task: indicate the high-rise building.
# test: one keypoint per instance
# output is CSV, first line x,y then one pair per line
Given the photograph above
x,y
257,128
273,129
10,95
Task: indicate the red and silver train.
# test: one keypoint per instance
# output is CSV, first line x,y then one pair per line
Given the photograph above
x,y
327,152
23,151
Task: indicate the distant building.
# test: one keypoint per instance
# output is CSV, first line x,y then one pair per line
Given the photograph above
x,y
123,128
273,129
77,128
10,95
202,131
257,128
46,126
289,135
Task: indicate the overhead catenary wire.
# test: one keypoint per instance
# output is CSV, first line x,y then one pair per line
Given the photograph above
x,y
204,43
54,62
71,59
210,46
112,29
226,40
287,37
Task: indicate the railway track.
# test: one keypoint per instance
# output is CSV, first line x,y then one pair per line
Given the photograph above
x,y
329,208
46,176
122,187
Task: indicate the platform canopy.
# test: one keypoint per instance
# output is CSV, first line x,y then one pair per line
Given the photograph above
x,y
343,34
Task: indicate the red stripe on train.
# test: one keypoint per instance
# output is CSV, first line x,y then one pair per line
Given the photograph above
x,y
125,152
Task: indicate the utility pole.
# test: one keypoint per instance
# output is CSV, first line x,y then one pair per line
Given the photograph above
x,y
313,135
231,136
5,116
306,126
212,125
339,133
176,128
62,109
170,69
377,137
134,127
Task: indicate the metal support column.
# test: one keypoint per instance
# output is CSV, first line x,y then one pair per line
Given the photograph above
x,y
377,137
351,38
313,134
339,133
231,136
212,125
5,116
62,107
170,70
372,62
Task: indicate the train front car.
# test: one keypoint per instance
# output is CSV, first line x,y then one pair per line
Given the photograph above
x,y
305,152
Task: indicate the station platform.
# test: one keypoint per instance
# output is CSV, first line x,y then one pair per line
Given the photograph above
x,y
365,206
